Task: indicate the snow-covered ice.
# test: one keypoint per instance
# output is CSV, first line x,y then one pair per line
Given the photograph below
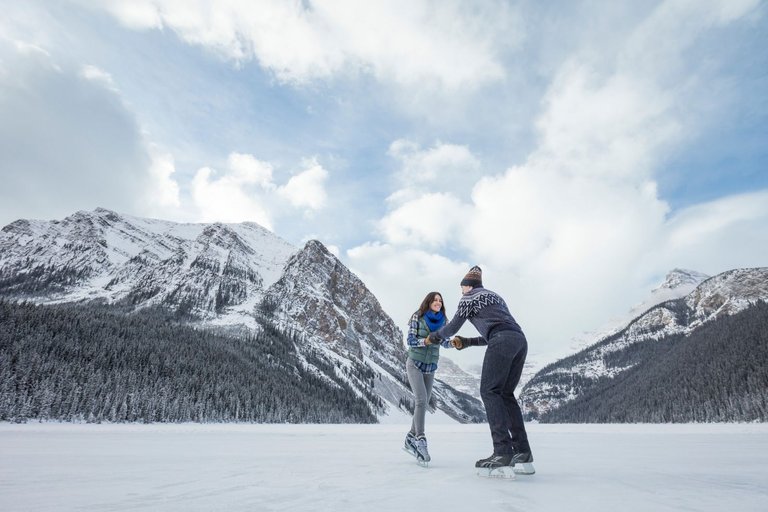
x,y
233,467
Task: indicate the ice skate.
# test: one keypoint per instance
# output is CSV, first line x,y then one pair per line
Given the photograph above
x,y
496,466
410,444
422,454
522,463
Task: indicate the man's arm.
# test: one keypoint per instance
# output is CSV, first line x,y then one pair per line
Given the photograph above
x,y
448,329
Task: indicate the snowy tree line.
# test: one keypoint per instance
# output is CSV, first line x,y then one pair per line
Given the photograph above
x,y
99,363
717,373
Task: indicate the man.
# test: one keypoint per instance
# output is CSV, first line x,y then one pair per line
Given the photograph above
x,y
502,367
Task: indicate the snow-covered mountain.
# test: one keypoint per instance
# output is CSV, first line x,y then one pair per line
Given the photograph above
x,y
677,283
453,375
220,275
723,294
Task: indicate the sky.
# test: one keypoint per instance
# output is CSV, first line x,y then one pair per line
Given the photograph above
x,y
576,151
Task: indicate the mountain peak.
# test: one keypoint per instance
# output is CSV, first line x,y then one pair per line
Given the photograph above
x,y
679,277
316,246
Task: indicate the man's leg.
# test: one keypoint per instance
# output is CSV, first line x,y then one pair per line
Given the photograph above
x,y
514,414
496,369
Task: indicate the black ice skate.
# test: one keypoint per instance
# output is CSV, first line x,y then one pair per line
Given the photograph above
x,y
523,463
496,466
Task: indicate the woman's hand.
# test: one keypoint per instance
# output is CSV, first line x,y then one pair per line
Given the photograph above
x,y
457,342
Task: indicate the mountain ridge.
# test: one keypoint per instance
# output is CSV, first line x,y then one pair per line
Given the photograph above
x,y
222,276
722,295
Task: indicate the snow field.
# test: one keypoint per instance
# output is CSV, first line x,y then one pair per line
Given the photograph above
x,y
235,467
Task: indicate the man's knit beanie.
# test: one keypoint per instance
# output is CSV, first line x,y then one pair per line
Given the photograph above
x,y
473,278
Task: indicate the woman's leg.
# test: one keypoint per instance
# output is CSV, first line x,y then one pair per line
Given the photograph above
x,y
421,385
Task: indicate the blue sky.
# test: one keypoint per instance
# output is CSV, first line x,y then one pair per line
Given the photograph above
x,y
577,151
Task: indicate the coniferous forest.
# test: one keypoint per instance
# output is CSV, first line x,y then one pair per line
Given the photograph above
x,y
717,373
99,363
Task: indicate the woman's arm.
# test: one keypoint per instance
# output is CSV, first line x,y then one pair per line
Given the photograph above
x,y
413,329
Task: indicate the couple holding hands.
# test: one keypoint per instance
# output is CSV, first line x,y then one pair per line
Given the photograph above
x,y
507,348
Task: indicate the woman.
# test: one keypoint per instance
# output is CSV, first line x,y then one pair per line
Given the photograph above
x,y
420,366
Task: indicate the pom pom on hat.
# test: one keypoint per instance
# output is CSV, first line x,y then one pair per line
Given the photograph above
x,y
474,277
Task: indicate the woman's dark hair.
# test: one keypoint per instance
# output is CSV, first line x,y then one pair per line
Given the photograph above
x,y
428,300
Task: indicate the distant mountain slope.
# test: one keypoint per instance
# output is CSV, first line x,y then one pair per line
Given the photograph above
x,y
718,372
677,283
96,363
224,276
564,381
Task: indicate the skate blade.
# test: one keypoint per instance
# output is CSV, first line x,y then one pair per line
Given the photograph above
x,y
503,472
421,462
524,468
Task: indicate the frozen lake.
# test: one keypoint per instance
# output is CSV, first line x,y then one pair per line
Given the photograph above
x,y
58,467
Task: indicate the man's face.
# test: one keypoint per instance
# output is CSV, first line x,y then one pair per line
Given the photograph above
x,y
465,289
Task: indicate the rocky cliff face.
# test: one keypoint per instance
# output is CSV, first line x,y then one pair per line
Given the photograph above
x,y
724,294
220,275
320,298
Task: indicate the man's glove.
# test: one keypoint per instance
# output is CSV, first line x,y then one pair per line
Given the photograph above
x,y
459,342
431,339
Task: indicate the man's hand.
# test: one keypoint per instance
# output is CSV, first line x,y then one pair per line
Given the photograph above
x,y
431,339
457,342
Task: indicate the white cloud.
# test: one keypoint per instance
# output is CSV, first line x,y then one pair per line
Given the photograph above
x,y
245,191
246,169
96,74
162,196
445,167
68,142
425,222
401,277
433,185
226,199
718,235
423,43
574,234
306,189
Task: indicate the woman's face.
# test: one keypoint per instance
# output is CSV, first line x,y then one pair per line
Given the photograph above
x,y
436,304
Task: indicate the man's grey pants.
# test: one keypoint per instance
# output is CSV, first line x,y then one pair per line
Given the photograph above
x,y
421,385
502,367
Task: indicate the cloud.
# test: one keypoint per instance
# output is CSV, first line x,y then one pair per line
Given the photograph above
x,y
163,197
424,222
401,277
444,45
432,187
246,169
226,198
577,231
246,191
67,140
719,235
443,167
96,74
306,189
